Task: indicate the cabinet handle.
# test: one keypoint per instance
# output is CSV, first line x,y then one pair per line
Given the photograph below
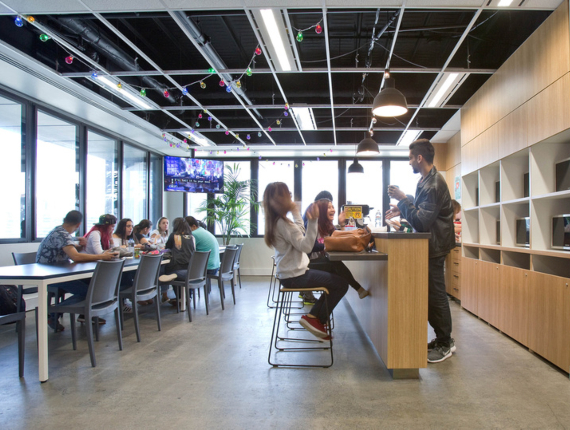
x,y
457,276
456,289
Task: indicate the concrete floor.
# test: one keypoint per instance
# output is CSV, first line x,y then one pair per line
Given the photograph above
x,y
213,374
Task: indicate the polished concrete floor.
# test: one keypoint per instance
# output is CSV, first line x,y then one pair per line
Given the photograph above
x,y
213,374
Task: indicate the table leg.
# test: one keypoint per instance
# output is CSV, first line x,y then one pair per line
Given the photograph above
x,y
182,299
42,331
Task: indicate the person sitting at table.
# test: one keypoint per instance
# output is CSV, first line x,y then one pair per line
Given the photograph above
x,y
317,255
100,236
59,247
182,245
291,243
123,232
140,231
205,241
159,236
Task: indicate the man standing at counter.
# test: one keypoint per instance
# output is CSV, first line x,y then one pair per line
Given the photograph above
x,y
431,211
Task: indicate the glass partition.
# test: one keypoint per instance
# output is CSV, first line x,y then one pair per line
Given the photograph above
x,y
57,174
135,184
273,171
366,189
13,172
319,176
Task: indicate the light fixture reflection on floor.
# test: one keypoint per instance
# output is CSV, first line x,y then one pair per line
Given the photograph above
x,y
389,102
367,146
355,167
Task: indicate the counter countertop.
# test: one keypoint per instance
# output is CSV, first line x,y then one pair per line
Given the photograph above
x,y
401,235
359,256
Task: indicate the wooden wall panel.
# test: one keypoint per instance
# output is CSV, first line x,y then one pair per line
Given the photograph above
x,y
513,132
514,303
453,151
469,157
440,159
488,292
469,284
488,151
549,111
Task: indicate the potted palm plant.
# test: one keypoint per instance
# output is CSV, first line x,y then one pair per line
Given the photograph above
x,y
229,210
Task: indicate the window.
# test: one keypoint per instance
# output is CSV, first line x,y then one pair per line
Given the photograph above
x,y
13,171
402,175
102,178
319,176
366,189
193,202
155,206
244,175
273,171
134,184
57,173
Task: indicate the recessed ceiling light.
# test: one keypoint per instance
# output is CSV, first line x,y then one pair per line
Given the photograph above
x,y
505,3
123,92
305,118
275,37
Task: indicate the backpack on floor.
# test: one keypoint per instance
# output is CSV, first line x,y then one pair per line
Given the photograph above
x,y
9,300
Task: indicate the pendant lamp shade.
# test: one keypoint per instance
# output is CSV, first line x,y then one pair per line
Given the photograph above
x,y
355,167
367,146
389,102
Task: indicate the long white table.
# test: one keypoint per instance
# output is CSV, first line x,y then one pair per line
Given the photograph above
x,y
43,275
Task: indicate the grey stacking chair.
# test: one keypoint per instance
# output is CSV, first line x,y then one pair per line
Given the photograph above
x,y
102,298
196,278
20,319
21,258
226,272
145,287
236,263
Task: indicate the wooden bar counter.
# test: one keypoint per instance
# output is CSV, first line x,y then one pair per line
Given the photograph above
x,y
394,316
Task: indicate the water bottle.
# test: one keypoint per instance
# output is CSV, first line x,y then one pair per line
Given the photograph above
x,y
131,245
378,219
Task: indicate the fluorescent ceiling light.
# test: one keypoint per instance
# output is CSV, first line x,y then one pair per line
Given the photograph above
x,y
505,3
275,37
123,92
202,141
445,88
305,118
409,136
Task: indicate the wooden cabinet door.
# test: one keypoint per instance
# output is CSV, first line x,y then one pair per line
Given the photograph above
x,y
514,303
549,318
448,274
469,284
488,294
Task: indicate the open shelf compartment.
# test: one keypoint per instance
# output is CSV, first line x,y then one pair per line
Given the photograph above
x,y
490,184
515,180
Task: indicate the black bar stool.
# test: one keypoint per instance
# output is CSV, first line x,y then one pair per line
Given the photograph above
x,y
282,312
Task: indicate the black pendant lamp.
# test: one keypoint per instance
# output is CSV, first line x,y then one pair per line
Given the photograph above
x,y
389,102
367,146
355,167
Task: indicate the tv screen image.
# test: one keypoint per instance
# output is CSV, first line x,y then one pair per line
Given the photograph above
x,y
523,232
561,232
193,175
563,175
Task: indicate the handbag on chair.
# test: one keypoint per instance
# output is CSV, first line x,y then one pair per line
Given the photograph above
x,y
348,241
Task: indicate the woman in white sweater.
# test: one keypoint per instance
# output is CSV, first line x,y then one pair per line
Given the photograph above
x,y
291,244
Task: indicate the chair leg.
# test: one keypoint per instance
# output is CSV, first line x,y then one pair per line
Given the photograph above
x,y
89,323
73,331
21,327
37,339
119,333
122,315
221,288
178,292
188,304
239,277
90,340
157,300
194,296
136,318
206,297
233,290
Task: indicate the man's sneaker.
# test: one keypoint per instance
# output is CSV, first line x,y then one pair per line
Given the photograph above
x,y
55,325
167,278
314,326
438,354
431,345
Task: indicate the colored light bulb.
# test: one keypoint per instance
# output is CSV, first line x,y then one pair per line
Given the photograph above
x,y
237,136
224,151
248,137
278,122
218,126
238,84
318,29
18,21
222,83
44,37
166,93
119,86
227,132
200,115
185,141
143,92
69,59
211,70
299,37
259,134
184,90
197,124
258,51
286,106
228,89
248,148
210,118
268,128
31,19
94,75
202,85
260,157
286,113
248,72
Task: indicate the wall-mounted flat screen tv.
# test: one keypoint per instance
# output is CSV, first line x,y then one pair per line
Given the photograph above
x,y
523,232
193,175
563,175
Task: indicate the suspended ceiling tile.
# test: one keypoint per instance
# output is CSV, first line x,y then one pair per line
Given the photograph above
x,y
124,5
41,7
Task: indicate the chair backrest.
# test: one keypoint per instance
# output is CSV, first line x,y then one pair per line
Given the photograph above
x,y
147,272
228,259
24,258
104,285
238,255
198,266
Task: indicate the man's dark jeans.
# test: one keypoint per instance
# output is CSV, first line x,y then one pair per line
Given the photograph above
x,y
335,285
439,315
